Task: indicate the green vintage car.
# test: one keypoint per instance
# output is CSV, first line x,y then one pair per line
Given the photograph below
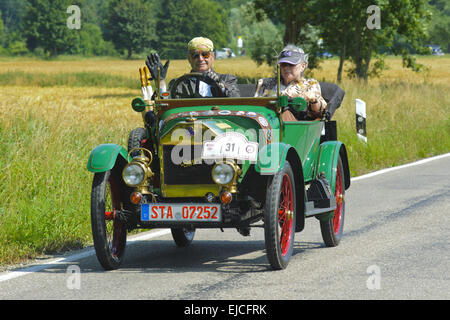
x,y
220,163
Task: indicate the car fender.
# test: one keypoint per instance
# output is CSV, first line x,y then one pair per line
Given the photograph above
x,y
328,159
104,157
271,158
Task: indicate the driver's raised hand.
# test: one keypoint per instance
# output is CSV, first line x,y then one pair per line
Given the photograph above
x,y
212,75
153,62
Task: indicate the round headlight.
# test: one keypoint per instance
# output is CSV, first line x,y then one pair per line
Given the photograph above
x,y
133,175
223,173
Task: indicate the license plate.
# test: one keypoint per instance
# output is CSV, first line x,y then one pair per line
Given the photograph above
x,y
198,212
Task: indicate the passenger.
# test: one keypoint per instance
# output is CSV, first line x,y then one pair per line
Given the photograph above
x,y
201,58
293,62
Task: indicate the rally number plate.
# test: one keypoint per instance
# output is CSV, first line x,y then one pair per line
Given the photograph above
x,y
198,212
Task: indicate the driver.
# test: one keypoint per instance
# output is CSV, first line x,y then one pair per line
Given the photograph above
x,y
201,58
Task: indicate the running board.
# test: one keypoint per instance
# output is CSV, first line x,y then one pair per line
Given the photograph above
x,y
319,198
316,207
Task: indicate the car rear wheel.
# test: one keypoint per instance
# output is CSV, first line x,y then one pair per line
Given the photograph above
x,y
333,228
182,236
109,235
279,218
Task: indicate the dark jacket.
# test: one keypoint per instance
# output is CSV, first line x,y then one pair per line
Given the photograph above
x,y
228,83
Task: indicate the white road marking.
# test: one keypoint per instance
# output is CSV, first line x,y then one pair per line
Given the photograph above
x,y
412,164
8,275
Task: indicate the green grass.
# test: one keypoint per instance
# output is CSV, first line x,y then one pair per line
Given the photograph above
x,y
78,79
44,184
405,122
43,188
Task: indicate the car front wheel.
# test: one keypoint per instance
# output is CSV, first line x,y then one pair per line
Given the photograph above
x,y
109,234
279,218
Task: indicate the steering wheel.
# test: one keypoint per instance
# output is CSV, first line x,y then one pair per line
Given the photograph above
x,y
188,85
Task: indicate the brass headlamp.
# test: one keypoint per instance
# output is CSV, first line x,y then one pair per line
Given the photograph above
x,y
226,174
138,173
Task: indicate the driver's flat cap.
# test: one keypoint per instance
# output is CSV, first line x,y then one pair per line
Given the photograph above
x,y
200,43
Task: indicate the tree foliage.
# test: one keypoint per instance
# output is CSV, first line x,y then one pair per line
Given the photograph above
x,y
130,25
180,21
295,16
44,25
440,23
345,28
138,26
262,39
348,29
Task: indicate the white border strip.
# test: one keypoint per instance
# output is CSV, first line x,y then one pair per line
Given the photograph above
x,y
412,164
8,275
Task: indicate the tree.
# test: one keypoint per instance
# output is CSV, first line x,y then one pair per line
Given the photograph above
x,y
295,16
2,31
180,21
262,38
130,25
45,25
351,30
90,42
12,13
440,23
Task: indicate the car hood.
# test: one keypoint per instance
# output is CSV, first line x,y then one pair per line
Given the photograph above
x,y
205,123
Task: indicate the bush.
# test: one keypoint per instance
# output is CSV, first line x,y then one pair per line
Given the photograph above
x,y
89,42
18,48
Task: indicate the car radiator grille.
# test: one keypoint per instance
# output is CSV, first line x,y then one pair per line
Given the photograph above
x,y
178,174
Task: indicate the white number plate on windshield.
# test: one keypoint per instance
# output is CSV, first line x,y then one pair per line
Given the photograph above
x,y
231,145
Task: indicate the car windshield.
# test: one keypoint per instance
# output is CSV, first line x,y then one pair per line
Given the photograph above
x,y
198,86
263,102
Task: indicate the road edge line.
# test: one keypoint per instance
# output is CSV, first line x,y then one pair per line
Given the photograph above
x,y
87,252
407,165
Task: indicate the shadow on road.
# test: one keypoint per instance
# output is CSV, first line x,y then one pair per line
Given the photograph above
x,y
162,256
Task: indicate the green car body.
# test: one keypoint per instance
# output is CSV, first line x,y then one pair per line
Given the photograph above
x,y
297,153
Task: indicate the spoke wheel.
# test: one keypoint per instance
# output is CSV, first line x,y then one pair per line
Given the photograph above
x,y
279,218
109,234
333,228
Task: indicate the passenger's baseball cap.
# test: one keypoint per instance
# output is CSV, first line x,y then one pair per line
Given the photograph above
x,y
200,43
292,55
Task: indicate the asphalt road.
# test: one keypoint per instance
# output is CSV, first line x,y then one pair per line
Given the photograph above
x,y
395,246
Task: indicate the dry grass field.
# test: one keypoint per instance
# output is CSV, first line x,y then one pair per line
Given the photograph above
x,y
52,113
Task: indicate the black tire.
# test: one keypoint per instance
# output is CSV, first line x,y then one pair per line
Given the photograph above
x,y
333,228
280,217
182,236
135,139
110,236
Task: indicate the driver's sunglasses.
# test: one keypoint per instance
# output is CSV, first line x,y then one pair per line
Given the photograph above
x,y
205,54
